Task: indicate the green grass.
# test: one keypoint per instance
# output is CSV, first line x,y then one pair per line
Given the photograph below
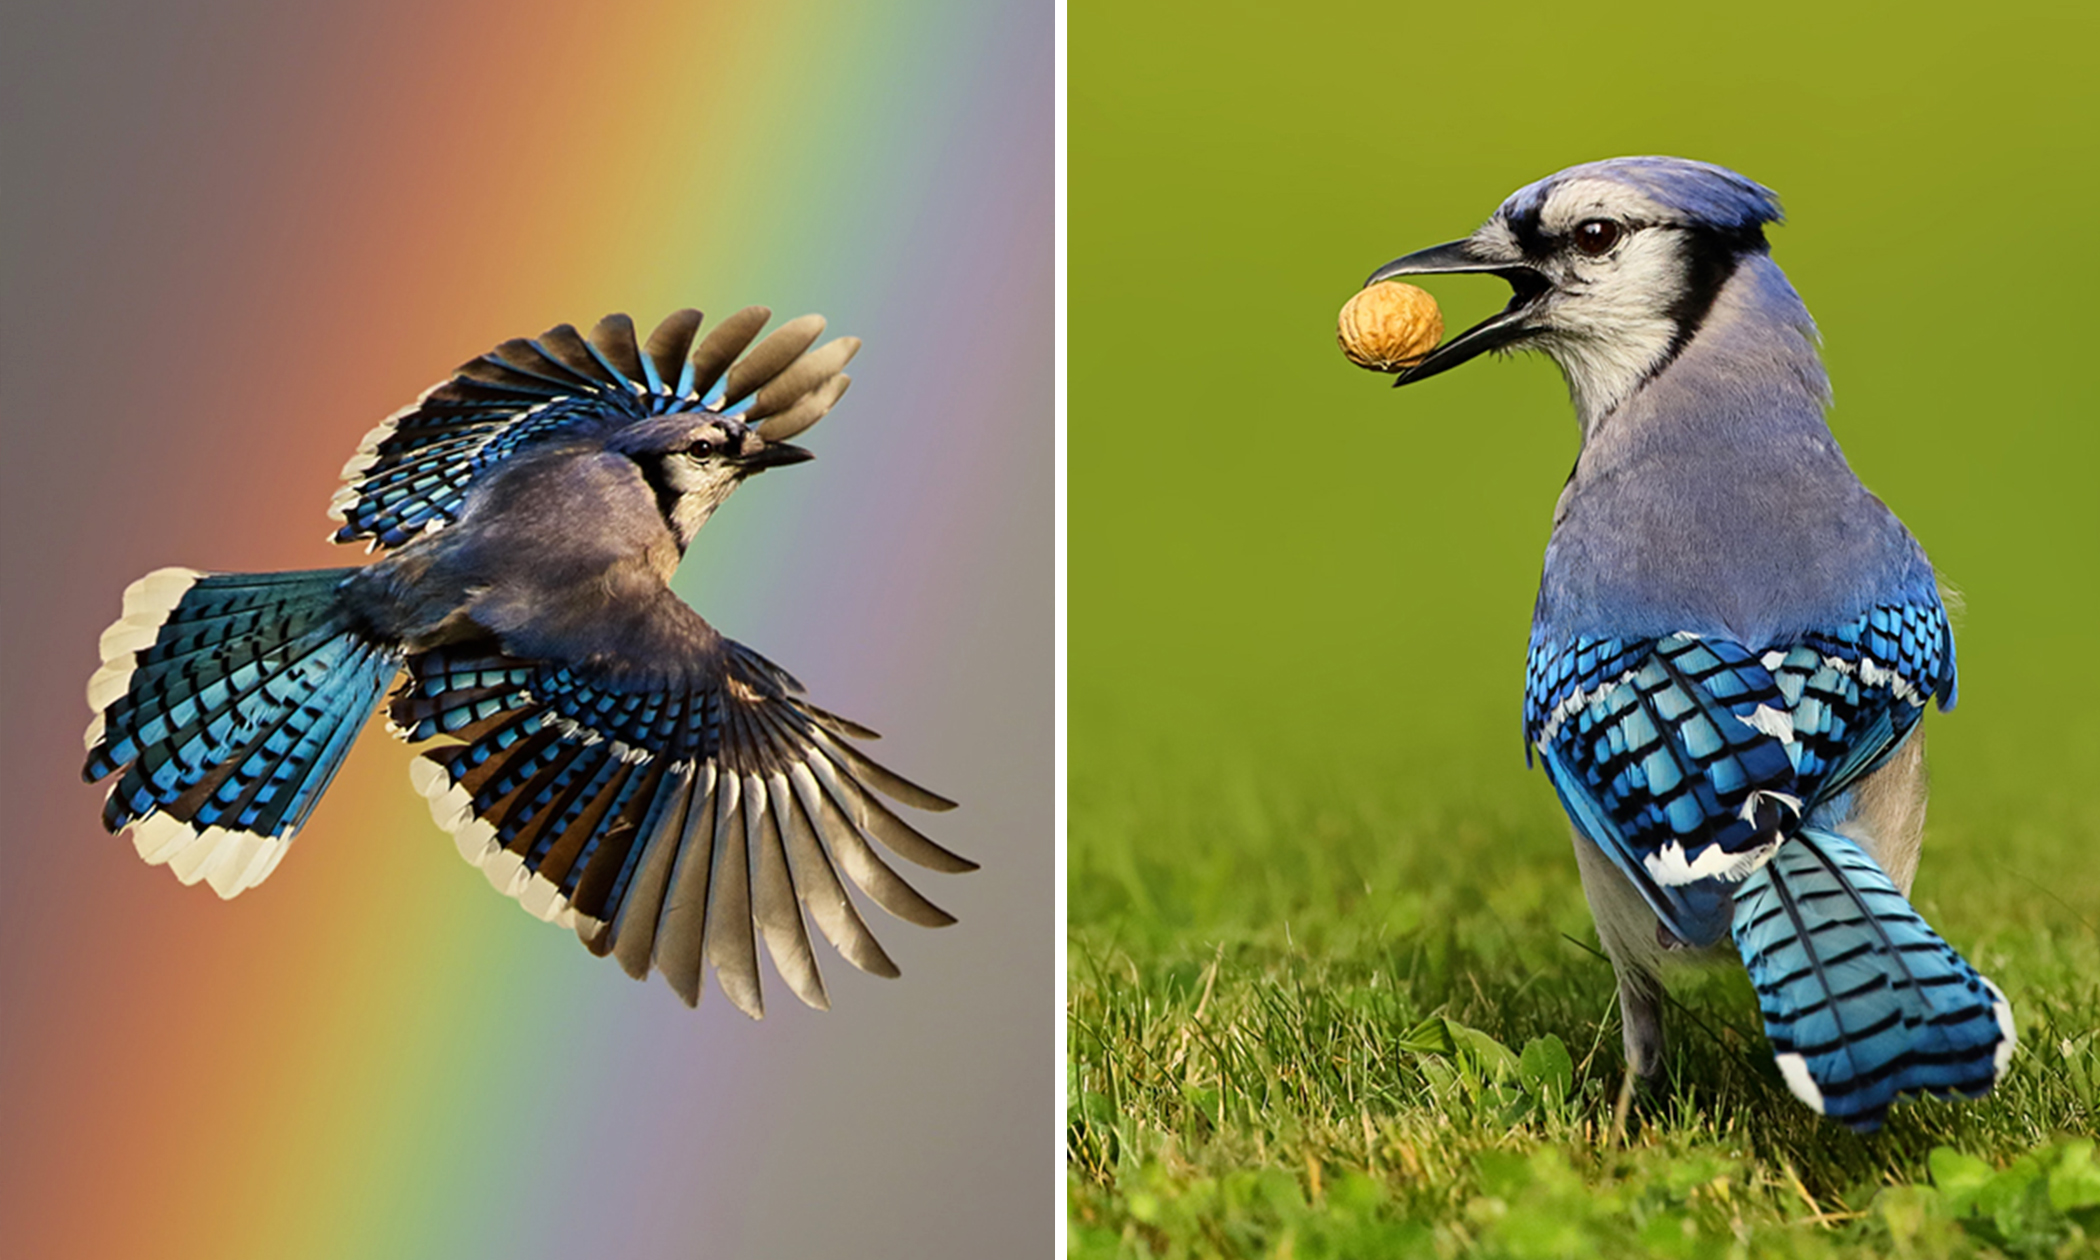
x,y
1299,826
1361,1020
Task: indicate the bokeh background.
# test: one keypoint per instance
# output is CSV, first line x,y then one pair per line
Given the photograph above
x,y
1299,599
238,234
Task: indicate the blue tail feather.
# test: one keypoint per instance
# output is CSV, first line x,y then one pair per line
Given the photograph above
x,y
226,717
241,708
226,634
292,776
1862,1001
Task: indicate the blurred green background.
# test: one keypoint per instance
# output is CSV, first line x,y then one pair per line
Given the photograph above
x,y
1299,599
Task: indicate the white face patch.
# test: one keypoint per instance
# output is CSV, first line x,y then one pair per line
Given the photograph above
x,y
702,485
1495,240
1580,199
1607,321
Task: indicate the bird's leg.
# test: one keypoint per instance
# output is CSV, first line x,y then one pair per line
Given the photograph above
x,y
1637,944
1640,1018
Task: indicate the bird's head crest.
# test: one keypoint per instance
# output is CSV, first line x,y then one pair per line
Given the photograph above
x,y
1675,191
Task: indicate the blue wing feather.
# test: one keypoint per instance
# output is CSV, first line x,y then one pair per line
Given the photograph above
x,y
413,472
1659,742
1857,692
1649,744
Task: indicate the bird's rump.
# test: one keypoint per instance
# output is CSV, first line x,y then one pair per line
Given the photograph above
x,y
665,813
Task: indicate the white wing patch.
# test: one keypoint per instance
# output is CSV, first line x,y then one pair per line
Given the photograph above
x,y
1575,703
1875,676
1778,723
1748,813
1670,869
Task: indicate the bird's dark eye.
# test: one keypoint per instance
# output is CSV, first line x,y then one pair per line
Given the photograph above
x,y
1596,236
701,449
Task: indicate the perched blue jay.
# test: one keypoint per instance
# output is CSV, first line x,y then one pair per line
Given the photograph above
x,y
605,756
1734,641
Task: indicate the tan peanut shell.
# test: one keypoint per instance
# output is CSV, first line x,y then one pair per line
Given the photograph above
x,y
1389,326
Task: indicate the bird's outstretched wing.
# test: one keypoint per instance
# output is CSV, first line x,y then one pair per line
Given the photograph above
x,y
412,472
665,796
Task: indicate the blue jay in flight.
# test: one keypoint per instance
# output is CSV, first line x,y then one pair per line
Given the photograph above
x,y
1734,640
603,754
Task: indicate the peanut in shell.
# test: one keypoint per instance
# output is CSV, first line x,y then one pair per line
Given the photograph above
x,y
1389,326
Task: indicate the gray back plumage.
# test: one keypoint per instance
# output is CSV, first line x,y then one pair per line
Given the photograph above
x,y
1714,498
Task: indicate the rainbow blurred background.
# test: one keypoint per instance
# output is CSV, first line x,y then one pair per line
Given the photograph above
x,y
239,234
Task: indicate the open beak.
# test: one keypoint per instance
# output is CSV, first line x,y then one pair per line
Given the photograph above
x,y
773,455
1502,329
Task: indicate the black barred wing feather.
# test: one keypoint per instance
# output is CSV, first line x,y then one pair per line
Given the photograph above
x,y
1664,751
674,823
1854,694
412,473
1687,758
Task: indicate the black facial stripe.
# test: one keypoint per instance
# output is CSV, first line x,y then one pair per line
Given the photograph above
x,y
1524,227
1711,257
659,479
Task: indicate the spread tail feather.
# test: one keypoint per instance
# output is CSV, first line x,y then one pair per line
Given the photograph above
x,y
1862,1002
225,704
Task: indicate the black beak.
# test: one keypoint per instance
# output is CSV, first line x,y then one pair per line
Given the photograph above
x,y
773,455
1502,329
